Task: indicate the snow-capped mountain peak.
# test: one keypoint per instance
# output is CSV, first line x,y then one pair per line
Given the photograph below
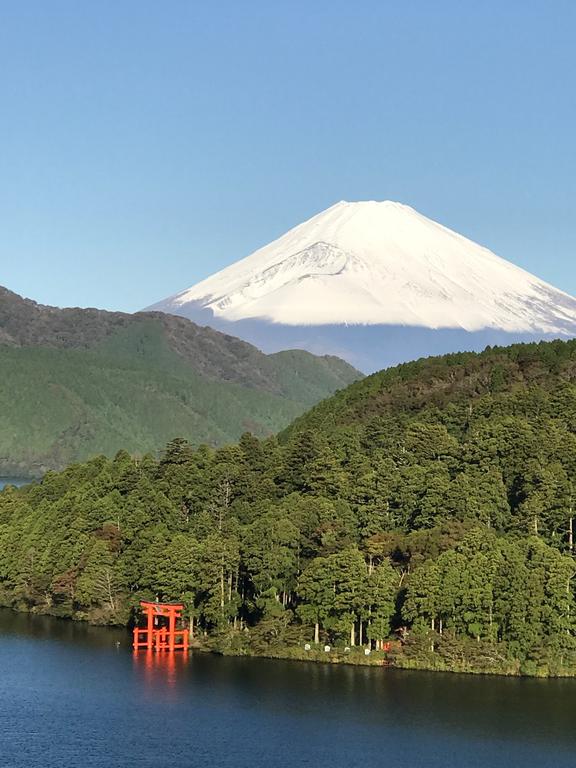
x,y
376,283
380,263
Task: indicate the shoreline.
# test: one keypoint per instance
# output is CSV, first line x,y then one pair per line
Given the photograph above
x,y
291,653
395,659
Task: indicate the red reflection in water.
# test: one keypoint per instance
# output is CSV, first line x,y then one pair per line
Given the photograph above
x,y
160,670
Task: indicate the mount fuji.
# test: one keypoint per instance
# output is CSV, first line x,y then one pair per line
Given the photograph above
x,y
376,283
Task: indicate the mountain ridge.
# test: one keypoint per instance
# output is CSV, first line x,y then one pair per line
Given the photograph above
x,y
79,382
24,322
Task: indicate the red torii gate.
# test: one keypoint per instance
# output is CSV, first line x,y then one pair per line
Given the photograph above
x,y
161,638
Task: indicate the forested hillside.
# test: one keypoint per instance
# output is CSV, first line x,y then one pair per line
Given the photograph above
x,y
430,505
75,383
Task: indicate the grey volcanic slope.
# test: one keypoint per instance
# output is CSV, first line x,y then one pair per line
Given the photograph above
x,y
368,348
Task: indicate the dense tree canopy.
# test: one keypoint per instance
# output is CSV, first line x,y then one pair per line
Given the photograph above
x,y
432,505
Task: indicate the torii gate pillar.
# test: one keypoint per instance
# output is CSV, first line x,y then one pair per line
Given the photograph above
x,y
161,638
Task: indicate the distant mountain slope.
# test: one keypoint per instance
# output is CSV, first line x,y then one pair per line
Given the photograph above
x,y
77,382
376,283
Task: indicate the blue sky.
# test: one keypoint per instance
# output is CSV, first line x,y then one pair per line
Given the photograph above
x,y
146,144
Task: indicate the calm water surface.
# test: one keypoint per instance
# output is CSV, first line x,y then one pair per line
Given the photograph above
x,y
17,481
69,697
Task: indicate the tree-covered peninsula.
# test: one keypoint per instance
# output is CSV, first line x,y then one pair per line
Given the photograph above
x,y
430,506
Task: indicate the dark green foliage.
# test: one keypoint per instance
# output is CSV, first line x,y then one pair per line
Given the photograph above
x,y
78,382
431,505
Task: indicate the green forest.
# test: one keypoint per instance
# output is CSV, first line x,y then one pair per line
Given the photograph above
x,y
425,513
79,382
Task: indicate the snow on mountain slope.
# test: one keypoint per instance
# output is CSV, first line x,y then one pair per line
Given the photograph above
x,y
379,263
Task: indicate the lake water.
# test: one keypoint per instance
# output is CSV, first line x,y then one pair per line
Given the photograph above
x,y
17,481
70,698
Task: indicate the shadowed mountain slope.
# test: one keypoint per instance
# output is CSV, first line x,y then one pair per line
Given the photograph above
x,y
76,382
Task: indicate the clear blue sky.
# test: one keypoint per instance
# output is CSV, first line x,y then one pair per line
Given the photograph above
x,y
146,144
